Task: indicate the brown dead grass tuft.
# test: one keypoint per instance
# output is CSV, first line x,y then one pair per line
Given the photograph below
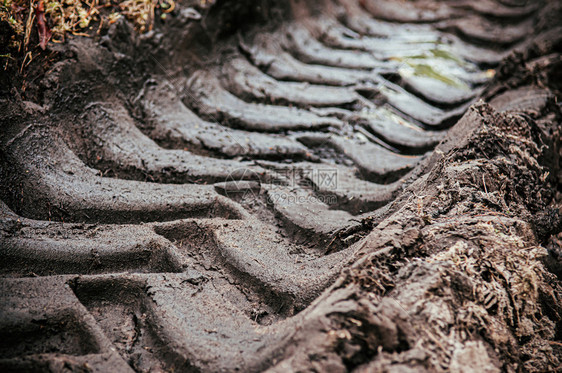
x,y
54,20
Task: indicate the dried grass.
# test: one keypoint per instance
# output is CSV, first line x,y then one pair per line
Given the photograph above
x,y
83,18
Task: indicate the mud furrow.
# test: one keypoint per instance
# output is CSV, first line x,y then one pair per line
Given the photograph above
x,y
218,218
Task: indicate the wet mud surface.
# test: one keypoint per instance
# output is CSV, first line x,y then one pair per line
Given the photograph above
x,y
289,186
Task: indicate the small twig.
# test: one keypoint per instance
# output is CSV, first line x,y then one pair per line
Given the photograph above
x,y
436,341
28,54
28,26
92,7
102,20
151,15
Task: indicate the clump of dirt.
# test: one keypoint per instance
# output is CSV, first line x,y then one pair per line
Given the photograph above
x,y
456,271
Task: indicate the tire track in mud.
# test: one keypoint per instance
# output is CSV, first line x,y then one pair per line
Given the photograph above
x,y
185,229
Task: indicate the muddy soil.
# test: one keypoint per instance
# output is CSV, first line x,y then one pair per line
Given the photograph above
x,y
329,186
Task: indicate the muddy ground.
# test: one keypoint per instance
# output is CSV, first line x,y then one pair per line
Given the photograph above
x,y
164,208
